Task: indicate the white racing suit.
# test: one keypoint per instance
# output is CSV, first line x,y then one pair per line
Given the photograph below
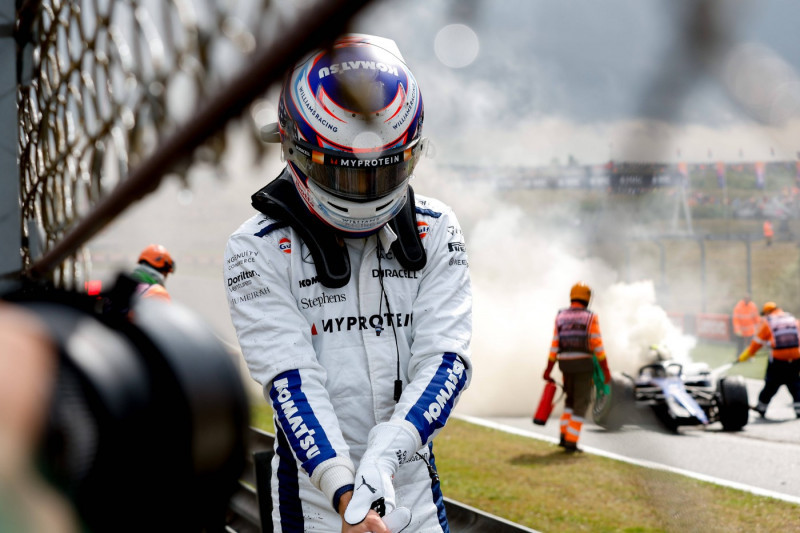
x,y
328,358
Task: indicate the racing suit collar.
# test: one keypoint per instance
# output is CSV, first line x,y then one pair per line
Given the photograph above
x,y
386,236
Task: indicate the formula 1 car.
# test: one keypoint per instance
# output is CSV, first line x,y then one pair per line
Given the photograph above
x,y
677,394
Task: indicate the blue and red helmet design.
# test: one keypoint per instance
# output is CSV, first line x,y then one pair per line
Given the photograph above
x,y
359,96
350,122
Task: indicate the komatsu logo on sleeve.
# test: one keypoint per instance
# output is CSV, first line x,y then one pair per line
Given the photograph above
x,y
304,435
453,383
344,66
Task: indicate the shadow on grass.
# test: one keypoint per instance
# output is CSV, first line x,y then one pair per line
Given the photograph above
x,y
556,457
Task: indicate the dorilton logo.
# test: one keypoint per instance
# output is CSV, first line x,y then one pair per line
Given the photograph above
x,y
241,277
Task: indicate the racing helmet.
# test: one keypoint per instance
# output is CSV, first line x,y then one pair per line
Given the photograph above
x,y
157,257
581,291
768,308
350,125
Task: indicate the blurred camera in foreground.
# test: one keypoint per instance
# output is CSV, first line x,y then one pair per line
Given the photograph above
x,y
146,418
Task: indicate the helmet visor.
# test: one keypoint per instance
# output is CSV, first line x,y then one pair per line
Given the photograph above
x,y
359,177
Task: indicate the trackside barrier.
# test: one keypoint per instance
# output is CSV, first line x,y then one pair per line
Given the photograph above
x,y
713,326
710,326
250,507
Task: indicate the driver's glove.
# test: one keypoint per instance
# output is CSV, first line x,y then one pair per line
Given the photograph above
x,y
390,444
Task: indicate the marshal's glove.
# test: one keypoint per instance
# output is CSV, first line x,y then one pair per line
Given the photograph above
x,y
550,364
744,356
390,444
606,371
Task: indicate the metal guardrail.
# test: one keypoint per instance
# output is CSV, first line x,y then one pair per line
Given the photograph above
x,y
250,507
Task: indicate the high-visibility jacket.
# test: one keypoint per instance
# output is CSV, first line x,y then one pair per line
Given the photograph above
x,y
577,335
781,331
155,290
745,318
151,283
768,229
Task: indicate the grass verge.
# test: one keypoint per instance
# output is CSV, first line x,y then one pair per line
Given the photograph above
x,y
535,484
718,354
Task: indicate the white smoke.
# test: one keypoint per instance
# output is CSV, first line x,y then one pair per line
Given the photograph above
x,y
522,271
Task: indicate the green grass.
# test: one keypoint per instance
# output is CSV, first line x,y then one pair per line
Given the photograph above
x,y
533,483
717,354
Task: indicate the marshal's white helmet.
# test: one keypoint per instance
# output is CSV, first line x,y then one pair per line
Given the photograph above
x,y
350,123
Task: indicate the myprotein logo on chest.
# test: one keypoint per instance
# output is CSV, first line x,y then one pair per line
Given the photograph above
x,y
359,323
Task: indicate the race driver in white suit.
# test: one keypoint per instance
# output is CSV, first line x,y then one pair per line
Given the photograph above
x,y
351,299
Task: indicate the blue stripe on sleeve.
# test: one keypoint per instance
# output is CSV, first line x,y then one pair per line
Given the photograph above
x,y
303,431
290,508
426,211
434,405
270,228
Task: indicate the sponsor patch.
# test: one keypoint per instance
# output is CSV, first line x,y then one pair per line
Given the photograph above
x,y
242,258
263,291
422,228
321,300
359,323
285,245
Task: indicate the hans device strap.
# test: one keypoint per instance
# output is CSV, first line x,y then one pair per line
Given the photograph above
x,y
279,200
408,246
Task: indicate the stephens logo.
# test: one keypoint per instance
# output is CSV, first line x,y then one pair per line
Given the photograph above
x,y
321,300
285,245
422,228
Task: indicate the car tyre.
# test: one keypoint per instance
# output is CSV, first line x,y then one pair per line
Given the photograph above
x,y
611,411
734,407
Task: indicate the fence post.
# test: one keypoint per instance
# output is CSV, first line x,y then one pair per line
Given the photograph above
x,y
702,244
262,462
749,266
10,224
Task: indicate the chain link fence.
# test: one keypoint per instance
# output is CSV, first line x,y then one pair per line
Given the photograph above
x,y
105,85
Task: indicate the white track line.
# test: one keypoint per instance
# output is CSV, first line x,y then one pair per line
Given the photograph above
x,y
637,462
